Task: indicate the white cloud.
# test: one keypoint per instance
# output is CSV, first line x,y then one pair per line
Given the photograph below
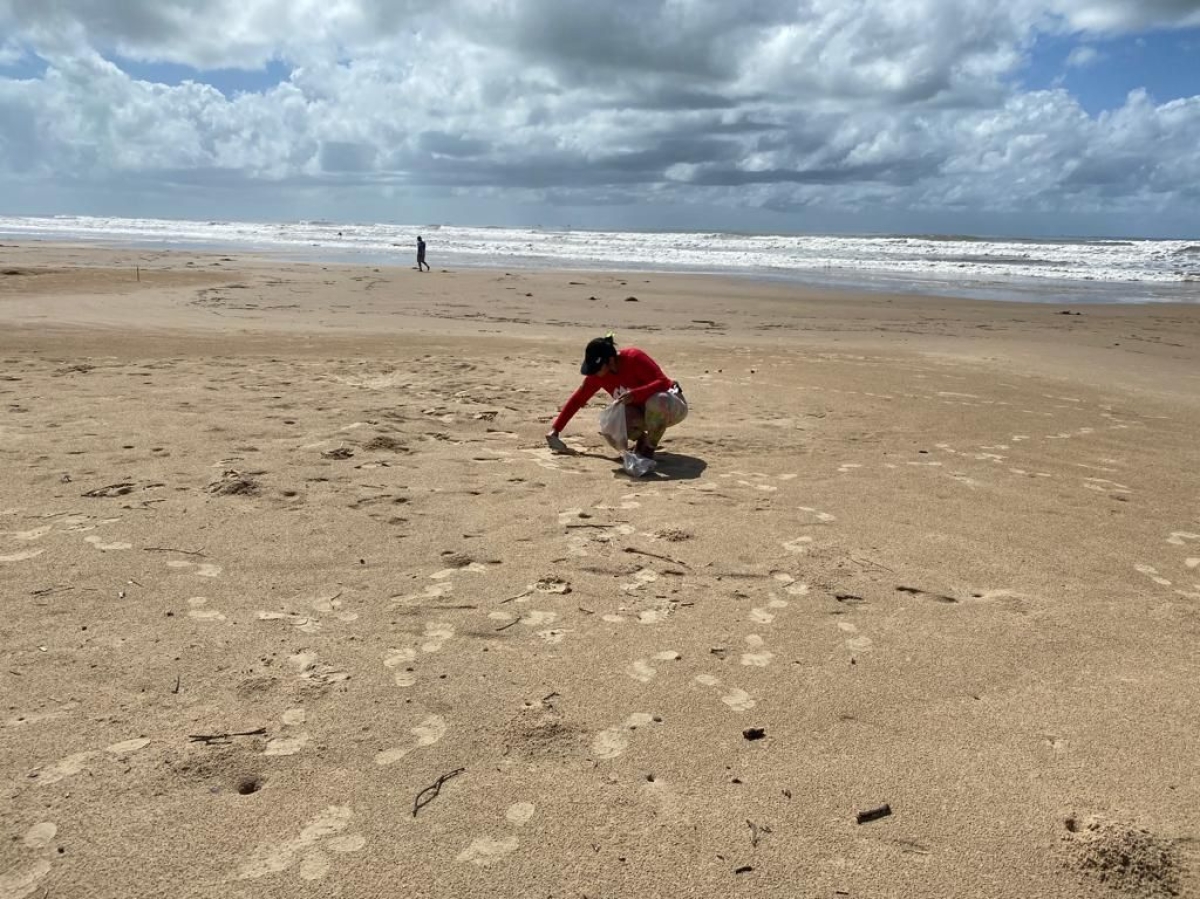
x,y
826,104
1083,56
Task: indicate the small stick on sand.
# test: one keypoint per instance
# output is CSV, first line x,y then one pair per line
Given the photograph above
x,y
520,595
869,563
184,552
505,627
434,789
873,814
642,552
223,738
601,526
756,832
178,679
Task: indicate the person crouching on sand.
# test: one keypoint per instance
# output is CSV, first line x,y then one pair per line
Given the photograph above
x,y
653,404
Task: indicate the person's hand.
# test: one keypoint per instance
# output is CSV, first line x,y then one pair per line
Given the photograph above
x,y
624,399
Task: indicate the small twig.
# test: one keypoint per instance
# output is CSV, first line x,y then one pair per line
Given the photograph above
x,y
642,552
873,814
601,526
434,789
185,552
505,627
221,738
756,832
110,490
178,679
868,562
520,595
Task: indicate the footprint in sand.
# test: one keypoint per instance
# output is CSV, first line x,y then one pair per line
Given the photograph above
x,y
485,851
436,635
22,556
1152,573
760,615
857,643
613,741
823,517
322,835
1103,485
1180,538
401,659
198,612
289,745
520,813
99,543
470,568
428,732
202,569
310,623
642,670
640,580
23,881
79,761
799,546
433,591
35,534
757,657
310,670
737,699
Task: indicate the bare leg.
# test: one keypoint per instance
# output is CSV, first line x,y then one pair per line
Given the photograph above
x,y
635,421
661,412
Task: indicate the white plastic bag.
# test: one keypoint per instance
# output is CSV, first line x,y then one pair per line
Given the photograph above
x,y
612,424
636,466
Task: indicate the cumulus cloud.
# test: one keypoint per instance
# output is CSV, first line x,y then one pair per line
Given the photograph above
x,y
1083,56
771,104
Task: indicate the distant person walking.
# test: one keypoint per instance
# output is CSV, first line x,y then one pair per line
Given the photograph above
x,y
422,265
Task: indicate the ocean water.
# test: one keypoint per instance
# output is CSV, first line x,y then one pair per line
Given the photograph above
x,y
1117,271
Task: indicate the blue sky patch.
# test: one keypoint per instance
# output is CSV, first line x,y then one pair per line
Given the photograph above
x,y
1165,63
228,81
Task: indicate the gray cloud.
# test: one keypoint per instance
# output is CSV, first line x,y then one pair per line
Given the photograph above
x,y
769,104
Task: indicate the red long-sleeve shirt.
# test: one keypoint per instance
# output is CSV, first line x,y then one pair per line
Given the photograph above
x,y
636,372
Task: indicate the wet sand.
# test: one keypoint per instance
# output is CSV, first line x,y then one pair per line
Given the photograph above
x,y
285,559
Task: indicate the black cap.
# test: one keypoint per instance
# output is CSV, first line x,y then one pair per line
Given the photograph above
x,y
597,353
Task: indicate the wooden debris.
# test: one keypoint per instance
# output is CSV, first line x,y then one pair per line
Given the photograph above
x,y
210,739
432,791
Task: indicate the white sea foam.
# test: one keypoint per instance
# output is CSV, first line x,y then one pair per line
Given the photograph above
x,y
886,260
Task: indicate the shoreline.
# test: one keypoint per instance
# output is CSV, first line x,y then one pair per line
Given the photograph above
x,y
1027,289
1148,345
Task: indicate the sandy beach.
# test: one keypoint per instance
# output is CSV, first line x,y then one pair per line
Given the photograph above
x,y
298,603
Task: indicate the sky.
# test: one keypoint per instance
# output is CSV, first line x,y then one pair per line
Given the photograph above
x,y
1021,118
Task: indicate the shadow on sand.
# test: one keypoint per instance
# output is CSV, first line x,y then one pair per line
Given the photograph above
x,y
671,467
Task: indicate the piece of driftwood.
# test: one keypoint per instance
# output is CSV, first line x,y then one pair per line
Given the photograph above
x,y
432,791
209,739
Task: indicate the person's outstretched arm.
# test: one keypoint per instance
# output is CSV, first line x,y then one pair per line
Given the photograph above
x,y
577,401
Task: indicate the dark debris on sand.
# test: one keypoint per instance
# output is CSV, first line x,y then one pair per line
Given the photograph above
x,y
233,483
